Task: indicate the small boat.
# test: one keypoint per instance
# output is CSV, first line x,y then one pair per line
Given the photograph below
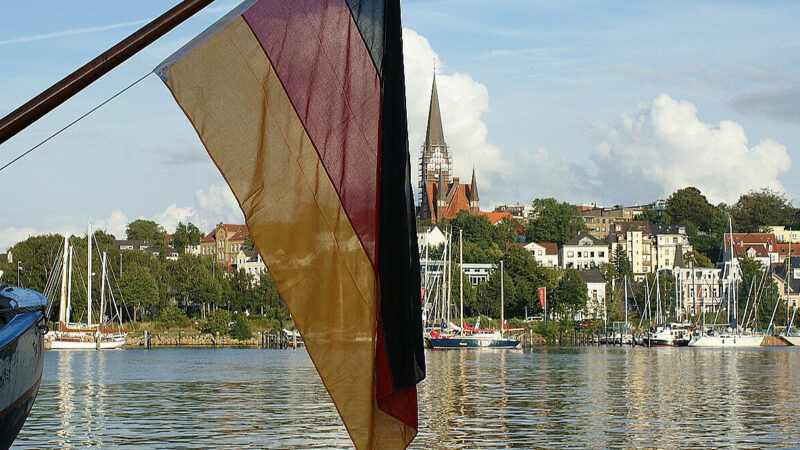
x,y
293,338
670,335
21,357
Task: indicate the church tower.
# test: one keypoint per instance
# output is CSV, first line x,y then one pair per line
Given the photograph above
x,y
434,161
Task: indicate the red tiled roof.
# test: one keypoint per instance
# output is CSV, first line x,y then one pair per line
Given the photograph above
x,y
234,232
751,238
495,216
784,249
550,248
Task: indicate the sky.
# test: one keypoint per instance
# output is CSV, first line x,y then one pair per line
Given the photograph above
x,y
607,102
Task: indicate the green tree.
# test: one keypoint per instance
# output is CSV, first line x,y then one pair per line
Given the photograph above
x,y
217,322
145,230
36,256
697,259
505,231
248,243
653,216
758,209
488,299
689,206
621,264
241,328
185,235
270,300
571,294
554,222
477,229
139,287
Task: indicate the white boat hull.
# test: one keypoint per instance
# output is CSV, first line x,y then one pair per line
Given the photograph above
x,y
727,341
794,340
83,341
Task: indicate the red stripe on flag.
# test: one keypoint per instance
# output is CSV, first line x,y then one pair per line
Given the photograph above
x,y
322,62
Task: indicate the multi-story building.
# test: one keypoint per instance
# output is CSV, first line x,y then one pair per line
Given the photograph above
x,y
583,252
546,253
250,261
700,288
600,220
782,235
763,247
636,239
671,242
224,242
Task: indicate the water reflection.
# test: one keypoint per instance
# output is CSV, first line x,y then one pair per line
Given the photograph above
x,y
595,397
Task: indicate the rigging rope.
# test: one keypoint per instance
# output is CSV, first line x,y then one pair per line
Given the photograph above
x,y
74,121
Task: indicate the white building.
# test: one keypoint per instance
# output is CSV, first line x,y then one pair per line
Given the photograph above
x,y
596,290
250,261
519,212
670,241
477,273
430,236
545,253
583,252
699,288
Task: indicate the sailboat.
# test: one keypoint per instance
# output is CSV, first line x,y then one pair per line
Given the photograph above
x,y
465,337
85,336
733,336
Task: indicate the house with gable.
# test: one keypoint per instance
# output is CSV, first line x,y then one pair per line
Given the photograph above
x,y
583,252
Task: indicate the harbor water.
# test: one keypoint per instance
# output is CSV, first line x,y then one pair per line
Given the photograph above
x,y
547,396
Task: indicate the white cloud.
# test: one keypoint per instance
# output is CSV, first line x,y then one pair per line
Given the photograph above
x,y
220,202
463,101
173,214
12,235
115,224
664,147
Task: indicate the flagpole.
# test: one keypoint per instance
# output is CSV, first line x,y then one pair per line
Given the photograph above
x,y
90,72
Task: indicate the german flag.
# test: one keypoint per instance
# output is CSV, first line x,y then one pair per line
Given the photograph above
x,y
301,105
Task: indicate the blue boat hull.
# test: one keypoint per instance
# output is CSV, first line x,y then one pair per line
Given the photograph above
x,y
21,359
470,342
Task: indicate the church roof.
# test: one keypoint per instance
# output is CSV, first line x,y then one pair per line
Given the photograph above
x,y
435,135
473,192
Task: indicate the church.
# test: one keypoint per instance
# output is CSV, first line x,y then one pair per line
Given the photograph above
x,y
442,195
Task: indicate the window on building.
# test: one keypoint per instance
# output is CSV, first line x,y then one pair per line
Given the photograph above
x,y
570,254
601,254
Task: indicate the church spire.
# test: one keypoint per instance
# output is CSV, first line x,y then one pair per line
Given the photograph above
x,y
473,189
434,135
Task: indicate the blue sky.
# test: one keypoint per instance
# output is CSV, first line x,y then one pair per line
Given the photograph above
x,y
587,101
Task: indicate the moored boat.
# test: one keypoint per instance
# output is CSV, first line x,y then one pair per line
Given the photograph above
x,y
21,344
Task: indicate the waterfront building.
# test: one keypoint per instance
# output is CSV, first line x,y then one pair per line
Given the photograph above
x,y
6,258
546,253
596,290
146,246
583,252
787,277
671,242
477,273
442,195
700,288
636,240
224,242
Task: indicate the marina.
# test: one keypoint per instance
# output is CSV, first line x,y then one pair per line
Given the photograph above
x,y
546,396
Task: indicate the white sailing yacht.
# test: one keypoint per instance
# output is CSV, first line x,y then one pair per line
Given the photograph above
x,y
86,336
733,336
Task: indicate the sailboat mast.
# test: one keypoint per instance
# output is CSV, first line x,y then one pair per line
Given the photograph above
x,y
658,300
62,307
89,274
102,292
502,300
625,289
69,284
461,276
